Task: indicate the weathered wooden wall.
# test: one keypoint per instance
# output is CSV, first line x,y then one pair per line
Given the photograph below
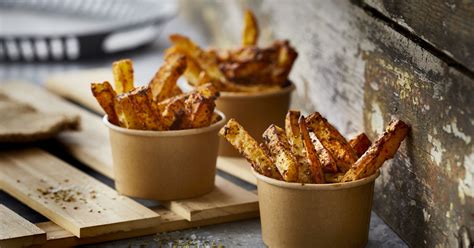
x,y
448,25
360,72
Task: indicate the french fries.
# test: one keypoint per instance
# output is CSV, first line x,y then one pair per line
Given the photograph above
x,y
315,165
249,148
163,85
201,109
384,148
277,143
105,95
250,31
123,75
293,156
247,69
332,141
160,105
360,144
295,138
325,158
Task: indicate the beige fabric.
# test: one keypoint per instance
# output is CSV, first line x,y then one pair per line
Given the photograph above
x,y
20,122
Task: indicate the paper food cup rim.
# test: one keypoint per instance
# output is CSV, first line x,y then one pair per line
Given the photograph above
x,y
282,91
167,133
316,187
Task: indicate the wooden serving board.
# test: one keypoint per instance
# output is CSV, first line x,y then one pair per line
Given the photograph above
x,y
18,232
74,200
75,86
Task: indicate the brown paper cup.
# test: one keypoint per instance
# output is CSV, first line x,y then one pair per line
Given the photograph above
x,y
255,111
164,165
315,215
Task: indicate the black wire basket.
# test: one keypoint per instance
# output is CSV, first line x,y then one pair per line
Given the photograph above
x,y
61,30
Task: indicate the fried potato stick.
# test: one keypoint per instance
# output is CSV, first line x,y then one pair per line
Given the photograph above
x,y
277,143
315,166
384,148
249,148
360,144
105,95
294,135
333,141
123,75
250,31
163,85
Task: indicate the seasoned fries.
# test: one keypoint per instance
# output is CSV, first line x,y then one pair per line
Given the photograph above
x,y
163,85
123,75
332,141
316,168
249,148
250,32
295,139
279,148
384,148
360,144
245,69
160,105
293,155
105,95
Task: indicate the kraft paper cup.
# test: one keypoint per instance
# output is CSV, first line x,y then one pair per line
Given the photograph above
x,y
315,215
164,165
255,111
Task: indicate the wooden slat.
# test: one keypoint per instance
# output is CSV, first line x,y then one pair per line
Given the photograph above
x,y
62,84
95,132
95,208
90,145
238,167
226,199
450,28
58,237
15,231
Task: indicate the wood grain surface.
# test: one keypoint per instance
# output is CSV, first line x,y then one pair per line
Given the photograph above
x,y
72,199
18,232
226,199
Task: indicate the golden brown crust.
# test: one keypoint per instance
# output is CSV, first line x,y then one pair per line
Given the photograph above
x,y
250,31
311,154
123,75
360,144
325,158
163,85
293,134
249,148
332,141
384,148
105,95
137,110
277,143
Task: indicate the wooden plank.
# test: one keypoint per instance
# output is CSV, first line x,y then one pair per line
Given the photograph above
x,y
15,231
58,237
450,28
360,73
92,123
69,197
226,199
90,145
238,167
75,86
